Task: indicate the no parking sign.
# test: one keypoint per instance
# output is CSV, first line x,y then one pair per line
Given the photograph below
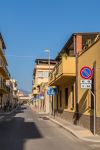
x,y
86,72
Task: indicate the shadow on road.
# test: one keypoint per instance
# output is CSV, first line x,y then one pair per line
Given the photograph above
x,y
14,131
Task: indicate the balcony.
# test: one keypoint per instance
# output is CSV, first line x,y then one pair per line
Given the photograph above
x,y
15,96
4,88
2,53
15,89
65,70
4,71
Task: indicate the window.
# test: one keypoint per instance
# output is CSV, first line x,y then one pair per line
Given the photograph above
x,y
66,97
46,73
40,74
43,74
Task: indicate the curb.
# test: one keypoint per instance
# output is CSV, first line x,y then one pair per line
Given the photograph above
x,y
72,132
7,113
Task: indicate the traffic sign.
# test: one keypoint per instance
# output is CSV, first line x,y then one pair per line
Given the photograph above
x,y
52,91
86,81
86,72
86,86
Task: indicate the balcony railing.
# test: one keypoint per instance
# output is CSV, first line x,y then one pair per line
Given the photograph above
x,y
7,74
65,67
15,88
4,87
2,52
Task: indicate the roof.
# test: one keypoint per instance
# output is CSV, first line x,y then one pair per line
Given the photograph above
x,y
82,52
45,61
4,47
71,38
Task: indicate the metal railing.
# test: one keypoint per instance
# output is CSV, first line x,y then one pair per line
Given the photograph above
x,y
5,68
56,71
3,52
4,86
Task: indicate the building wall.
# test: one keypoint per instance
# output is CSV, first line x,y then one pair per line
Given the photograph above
x,y
0,44
65,111
89,58
47,108
42,68
38,78
40,86
84,117
3,94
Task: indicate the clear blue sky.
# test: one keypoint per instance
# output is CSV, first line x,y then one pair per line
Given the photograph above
x,y
30,26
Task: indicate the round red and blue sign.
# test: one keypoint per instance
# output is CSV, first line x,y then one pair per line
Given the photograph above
x,y
86,72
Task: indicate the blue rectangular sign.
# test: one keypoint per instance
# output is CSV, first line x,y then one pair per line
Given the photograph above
x,y
52,91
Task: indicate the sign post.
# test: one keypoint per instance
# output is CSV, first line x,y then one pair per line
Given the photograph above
x,y
94,112
86,84
51,92
86,74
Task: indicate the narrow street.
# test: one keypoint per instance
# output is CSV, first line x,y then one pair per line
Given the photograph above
x,y
26,130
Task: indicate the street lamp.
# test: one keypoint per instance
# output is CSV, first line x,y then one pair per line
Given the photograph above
x,y
48,51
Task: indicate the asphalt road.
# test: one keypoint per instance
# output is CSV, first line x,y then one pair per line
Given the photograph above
x,y
26,130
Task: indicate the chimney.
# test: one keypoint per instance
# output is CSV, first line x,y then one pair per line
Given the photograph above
x,y
78,43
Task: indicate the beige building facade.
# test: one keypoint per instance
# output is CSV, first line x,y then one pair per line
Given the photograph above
x,y
4,75
40,83
14,92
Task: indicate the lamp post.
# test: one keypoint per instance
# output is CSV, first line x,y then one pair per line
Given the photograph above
x,y
48,51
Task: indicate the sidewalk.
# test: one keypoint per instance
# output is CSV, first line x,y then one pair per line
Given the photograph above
x,y
79,132
3,114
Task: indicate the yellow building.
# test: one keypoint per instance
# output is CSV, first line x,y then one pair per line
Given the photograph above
x,y
65,76
4,74
90,57
40,82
